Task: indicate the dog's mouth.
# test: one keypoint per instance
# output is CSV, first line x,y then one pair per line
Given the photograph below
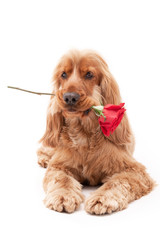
x,y
81,108
75,111
71,110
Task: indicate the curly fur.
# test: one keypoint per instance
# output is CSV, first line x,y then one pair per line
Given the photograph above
x,y
75,150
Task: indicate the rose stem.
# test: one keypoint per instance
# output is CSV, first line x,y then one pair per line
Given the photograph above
x,y
38,93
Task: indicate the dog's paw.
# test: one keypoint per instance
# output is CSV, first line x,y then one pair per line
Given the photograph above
x,y
101,204
44,155
63,200
43,160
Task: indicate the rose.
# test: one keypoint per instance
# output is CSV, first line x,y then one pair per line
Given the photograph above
x,y
110,117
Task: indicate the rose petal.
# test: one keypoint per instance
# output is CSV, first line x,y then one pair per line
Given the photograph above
x,y
114,115
114,107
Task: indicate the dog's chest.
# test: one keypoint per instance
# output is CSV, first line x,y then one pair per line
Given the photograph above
x,y
81,140
85,147
88,149
78,140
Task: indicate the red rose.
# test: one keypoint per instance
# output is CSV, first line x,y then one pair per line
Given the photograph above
x,y
113,116
110,117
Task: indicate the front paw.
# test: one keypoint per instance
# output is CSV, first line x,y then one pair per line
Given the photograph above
x,y
44,156
104,203
62,200
43,161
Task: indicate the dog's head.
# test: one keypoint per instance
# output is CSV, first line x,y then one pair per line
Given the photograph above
x,y
81,80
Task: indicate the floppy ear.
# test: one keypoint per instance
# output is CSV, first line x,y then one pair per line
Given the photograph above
x,y
111,95
123,135
109,87
53,125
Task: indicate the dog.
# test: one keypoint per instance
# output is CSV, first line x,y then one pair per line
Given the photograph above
x,y
74,149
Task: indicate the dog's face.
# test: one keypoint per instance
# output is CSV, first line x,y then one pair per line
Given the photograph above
x,y
78,79
81,80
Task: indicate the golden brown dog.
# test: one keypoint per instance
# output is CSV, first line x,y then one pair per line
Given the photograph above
x,y
74,147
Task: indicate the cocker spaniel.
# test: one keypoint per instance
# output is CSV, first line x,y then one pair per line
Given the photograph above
x,y
74,149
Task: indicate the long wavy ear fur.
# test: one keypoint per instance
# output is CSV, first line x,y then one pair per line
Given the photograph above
x,y
53,125
109,87
123,135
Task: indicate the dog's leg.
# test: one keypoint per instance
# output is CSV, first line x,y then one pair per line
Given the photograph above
x,y
63,192
118,191
44,155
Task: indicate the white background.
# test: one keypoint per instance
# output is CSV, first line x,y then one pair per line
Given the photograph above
x,y
34,35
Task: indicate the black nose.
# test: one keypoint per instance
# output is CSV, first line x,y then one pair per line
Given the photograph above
x,y
71,97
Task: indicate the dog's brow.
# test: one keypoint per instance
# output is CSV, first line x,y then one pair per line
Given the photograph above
x,y
87,69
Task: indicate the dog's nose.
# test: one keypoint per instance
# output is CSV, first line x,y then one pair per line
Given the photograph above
x,y
71,97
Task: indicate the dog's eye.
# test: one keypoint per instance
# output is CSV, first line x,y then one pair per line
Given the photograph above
x,y
89,75
64,75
